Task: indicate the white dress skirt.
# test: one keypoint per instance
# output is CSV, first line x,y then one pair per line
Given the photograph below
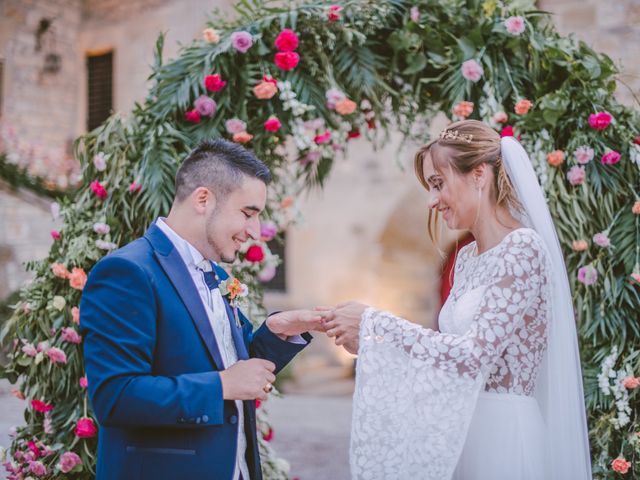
x,y
505,440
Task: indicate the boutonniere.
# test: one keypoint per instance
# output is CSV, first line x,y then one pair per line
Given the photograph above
x,y
234,290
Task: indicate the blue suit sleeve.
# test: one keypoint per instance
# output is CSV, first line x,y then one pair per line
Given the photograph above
x,y
118,321
267,345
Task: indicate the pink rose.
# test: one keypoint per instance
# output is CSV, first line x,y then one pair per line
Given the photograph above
x,y
287,41
192,116
472,70
414,14
587,275
576,175
334,13
507,131
77,278
268,231
610,158
333,96
265,90
600,120
242,137
287,202
286,60
34,448
38,469
205,106
97,188
583,154
631,382
75,315
555,158
255,254
322,138
500,117
346,106
523,106
55,234
620,465
40,406
463,109
68,461
235,125
70,335
101,228
515,25
214,83
135,187
267,274
635,276
602,239
29,350
85,428
311,157
84,383
272,124
59,270
100,161
43,346
56,355
241,41
636,208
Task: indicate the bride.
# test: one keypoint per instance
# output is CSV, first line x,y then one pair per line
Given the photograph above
x,y
496,393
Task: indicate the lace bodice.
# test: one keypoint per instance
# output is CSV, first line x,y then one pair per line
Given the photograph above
x,y
418,387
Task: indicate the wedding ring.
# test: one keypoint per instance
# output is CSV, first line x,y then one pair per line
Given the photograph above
x,y
268,387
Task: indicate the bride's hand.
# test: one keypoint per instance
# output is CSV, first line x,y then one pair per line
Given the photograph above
x,y
345,325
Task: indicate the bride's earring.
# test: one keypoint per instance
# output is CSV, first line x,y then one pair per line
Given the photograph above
x,y
479,190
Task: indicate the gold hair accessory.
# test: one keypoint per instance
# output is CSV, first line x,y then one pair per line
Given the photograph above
x,y
447,134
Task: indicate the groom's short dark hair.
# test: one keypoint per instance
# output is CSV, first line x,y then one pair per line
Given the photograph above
x,y
219,165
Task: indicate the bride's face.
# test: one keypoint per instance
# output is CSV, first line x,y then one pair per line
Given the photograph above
x,y
453,194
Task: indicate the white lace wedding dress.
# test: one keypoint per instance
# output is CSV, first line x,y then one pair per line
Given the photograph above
x,y
459,403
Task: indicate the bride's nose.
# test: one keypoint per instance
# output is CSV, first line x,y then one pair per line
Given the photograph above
x,y
434,199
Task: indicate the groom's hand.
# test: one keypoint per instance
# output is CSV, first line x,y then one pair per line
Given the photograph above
x,y
248,380
345,325
295,322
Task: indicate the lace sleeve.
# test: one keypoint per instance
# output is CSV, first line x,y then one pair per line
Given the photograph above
x,y
415,386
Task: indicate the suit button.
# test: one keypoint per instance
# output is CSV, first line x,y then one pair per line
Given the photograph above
x,y
233,419
205,419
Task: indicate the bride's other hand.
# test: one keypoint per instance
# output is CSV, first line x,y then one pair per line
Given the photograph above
x,y
345,326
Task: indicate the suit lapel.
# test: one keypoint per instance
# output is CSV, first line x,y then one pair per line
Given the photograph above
x,y
175,268
236,331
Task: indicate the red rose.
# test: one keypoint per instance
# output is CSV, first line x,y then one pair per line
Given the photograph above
x,y
354,134
55,234
192,116
272,125
254,254
636,140
334,13
371,123
287,60
268,436
287,41
98,189
507,131
258,403
85,428
214,83
135,187
270,79
40,406
34,448
600,120
323,138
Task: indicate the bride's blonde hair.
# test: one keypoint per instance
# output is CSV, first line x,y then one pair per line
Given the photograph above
x,y
469,143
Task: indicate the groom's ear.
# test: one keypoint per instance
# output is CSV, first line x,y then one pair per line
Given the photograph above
x,y
203,199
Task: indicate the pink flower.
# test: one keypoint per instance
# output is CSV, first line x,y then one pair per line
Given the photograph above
x,y
272,124
214,83
268,230
583,154
17,393
414,14
268,436
40,406
286,60
346,106
70,335
85,428
507,131
77,278
265,89
59,270
600,120
56,355
334,13
463,109
29,350
135,187
631,382
636,208
500,117
75,315
287,41
242,137
241,41
576,175
68,461
602,239
47,426
267,273
235,125
472,70
620,465
587,275
38,469
43,346
101,228
333,96
635,276
205,106
55,234
210,35
579,245
523,106
515,25
555,158
97,188
100,161
287,201
192,116
84,383
34,448
255,254
322,138
311,157
610,158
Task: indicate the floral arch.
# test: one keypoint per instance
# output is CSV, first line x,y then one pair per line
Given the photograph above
x,y
295,84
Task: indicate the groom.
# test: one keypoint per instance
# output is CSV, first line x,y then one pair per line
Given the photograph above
x,y
173,377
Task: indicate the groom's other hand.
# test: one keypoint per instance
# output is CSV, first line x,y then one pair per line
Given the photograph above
x,y
248,380
345,326
295,322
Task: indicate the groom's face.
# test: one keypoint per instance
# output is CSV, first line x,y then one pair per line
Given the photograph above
x,y
235,219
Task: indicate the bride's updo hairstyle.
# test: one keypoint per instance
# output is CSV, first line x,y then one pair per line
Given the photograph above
x,y
462,146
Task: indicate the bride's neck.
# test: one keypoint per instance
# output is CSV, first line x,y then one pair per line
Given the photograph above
x,y
491,228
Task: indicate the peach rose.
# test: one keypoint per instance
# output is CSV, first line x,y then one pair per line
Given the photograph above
x,y
286,202
523,106
555,158
631,382
242,137
265,90
210,35
77,278
59,270
620,465
579,245
636,208
463,109
346,106
500,117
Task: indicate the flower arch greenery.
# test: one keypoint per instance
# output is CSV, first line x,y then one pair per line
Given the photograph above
x,y
296,98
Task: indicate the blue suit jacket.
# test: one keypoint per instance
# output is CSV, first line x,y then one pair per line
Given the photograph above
x,y
153,368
